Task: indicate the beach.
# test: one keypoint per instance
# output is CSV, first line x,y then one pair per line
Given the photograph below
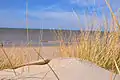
x,y
31,53
64,68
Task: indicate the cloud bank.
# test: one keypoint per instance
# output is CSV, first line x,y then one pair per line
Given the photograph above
x,y
56,14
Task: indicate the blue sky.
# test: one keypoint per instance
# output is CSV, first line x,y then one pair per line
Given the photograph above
x,y
53,13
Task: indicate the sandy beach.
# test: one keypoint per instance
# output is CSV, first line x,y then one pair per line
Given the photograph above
x,y
65,68
48,52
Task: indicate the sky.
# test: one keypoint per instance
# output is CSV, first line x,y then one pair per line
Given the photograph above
x,y
53,14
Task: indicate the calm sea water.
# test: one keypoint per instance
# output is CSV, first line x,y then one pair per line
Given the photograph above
x,y
18,37
33,44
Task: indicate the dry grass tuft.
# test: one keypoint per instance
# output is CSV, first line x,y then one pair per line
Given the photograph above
x,y
99,47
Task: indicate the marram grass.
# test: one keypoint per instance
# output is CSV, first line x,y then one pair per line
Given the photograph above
x,y
99,47
103,51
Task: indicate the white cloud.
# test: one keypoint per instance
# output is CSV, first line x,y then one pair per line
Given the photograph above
x,y
83,2
55,19
63,19
48,19
46,7
75,1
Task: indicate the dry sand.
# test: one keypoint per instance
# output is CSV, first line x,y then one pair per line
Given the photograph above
x,y
65,68
30,53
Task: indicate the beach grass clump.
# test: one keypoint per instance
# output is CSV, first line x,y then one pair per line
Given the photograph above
x,y
11,57
5,64
100,46
10,60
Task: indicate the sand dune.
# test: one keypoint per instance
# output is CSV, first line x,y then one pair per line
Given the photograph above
x,y
65,68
